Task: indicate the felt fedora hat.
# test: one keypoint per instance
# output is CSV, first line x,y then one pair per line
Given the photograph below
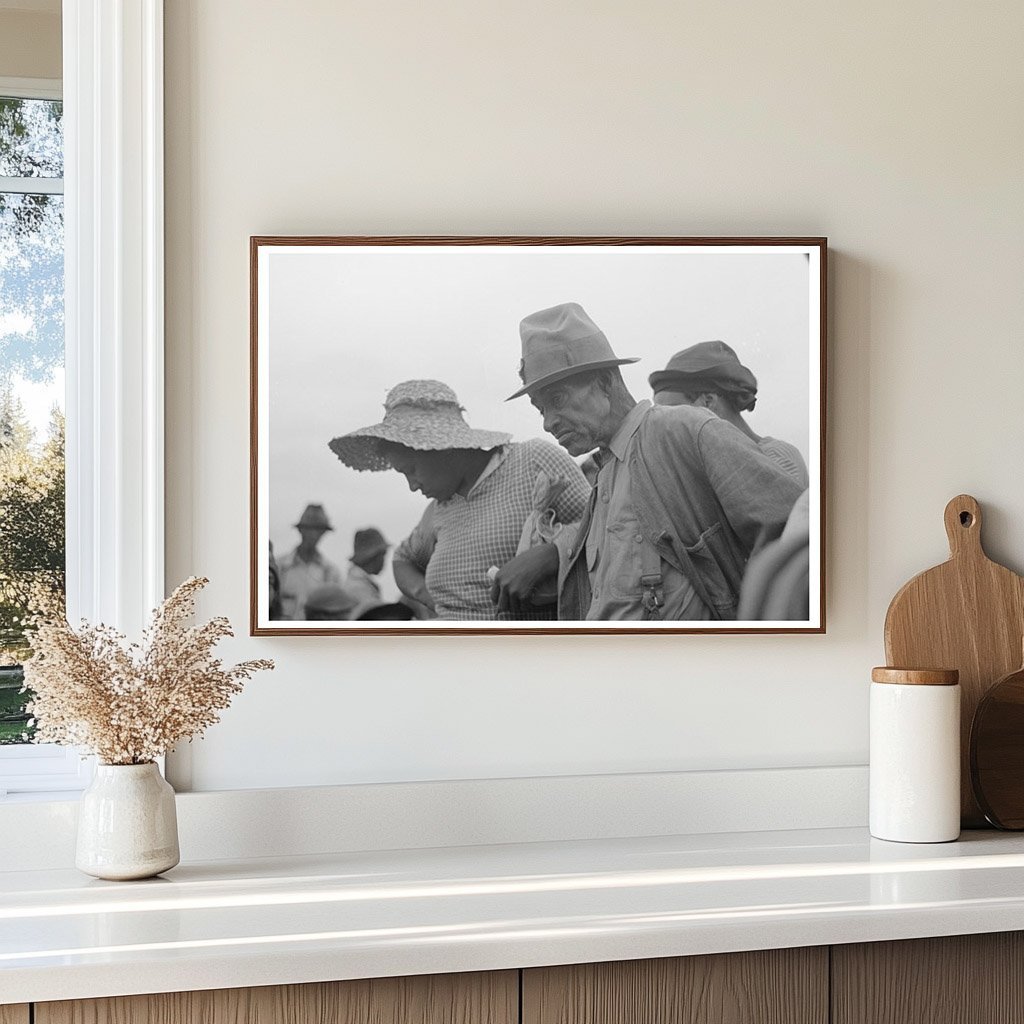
x,y
367,543
709,361
424,415
560,342
314,517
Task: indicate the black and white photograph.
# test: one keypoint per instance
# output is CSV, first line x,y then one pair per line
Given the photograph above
x,y
537,435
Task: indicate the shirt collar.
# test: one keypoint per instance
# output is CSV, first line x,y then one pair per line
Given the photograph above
x,y
317,558
496,460
627,428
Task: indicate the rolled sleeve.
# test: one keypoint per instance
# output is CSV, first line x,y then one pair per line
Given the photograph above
x,y
418,547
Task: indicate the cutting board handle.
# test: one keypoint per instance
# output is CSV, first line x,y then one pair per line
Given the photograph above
x,y
963,527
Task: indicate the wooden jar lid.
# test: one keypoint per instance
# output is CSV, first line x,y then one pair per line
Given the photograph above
x,y
916,676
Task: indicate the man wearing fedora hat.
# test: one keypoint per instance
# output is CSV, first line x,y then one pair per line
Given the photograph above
x,y
682,498
369,549
304,568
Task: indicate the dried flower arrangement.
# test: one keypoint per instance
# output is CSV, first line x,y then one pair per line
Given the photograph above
x,y
129,704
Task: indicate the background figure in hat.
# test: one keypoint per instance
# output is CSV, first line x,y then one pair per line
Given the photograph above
x,y
682,498
481,487
369,550
304,568
710,375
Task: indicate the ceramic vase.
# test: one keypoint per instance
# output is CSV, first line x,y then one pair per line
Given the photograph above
x,y
127,825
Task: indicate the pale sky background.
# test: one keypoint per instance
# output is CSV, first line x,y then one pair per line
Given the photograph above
x,y
39,399
346,324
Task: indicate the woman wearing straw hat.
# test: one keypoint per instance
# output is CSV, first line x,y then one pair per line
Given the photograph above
x,y
482,487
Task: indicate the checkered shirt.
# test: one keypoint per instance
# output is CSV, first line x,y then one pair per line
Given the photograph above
x,y
458,540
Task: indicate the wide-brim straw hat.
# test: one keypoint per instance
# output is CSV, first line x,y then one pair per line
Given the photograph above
x,y
424,415
560,342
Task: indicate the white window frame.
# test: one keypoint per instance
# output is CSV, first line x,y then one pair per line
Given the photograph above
x,y
37,768
32,88
114,331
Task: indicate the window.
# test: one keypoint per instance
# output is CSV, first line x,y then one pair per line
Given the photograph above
x,y
32,548
113,335
31,381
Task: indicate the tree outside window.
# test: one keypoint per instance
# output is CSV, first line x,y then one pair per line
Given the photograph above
x,y
31,385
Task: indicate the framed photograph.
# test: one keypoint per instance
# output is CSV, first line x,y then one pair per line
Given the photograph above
x,y
537,435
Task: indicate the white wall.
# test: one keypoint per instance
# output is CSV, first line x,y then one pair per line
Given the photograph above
x,y
894,129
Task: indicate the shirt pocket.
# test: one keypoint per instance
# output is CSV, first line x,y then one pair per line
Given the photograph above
x,y
624,543
706,563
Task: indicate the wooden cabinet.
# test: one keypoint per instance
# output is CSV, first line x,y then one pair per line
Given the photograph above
x,y
963,979
972,979
778,986
491,998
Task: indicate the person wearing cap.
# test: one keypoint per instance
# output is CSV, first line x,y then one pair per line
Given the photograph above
x,y
481,486
682,497
369,549
711,375
331,602
305,567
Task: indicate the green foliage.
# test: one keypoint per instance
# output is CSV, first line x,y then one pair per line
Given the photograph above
x,y
31,138
31,523
14,719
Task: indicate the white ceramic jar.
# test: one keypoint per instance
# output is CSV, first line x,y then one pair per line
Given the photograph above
x,y
915,755
127,823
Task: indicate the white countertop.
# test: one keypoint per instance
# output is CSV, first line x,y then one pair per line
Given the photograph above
x,y
225,924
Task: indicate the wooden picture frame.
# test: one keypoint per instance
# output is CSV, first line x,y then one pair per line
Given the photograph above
x,y
342,325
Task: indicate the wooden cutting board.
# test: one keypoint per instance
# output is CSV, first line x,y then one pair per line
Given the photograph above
x,y
967,614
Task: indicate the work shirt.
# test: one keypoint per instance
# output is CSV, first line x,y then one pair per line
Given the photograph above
x,y
788,456
298,577
362,584
706,494
618,554
458,540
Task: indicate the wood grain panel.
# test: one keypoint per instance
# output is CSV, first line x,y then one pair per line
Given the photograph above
x,y
481,998
963,979
14,1014
779,986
